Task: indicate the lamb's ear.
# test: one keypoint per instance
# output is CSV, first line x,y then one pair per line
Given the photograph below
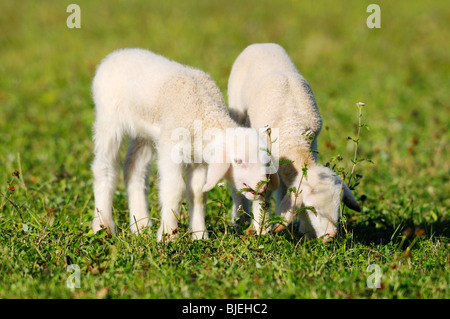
x,y
349,200
215,172
215,155
274,182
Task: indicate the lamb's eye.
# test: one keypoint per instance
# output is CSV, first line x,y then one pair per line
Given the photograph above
x,y
238,161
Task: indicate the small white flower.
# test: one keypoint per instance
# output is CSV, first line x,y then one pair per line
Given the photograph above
x,y
267,128
361,104
221,184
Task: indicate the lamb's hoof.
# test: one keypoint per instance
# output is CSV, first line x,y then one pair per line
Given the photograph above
x,y
97,225
200,234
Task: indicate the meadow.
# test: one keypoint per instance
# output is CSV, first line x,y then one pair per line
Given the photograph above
x,y
400,71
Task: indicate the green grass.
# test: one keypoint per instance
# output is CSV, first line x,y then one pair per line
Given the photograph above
x,y
400,71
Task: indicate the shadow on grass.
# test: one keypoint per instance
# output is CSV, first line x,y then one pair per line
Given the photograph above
x,y
374,231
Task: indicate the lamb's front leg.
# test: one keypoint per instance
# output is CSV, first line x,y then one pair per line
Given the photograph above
x,y
197,202
171,189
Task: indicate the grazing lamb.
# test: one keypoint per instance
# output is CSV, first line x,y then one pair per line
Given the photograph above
x,y
170,109
265,88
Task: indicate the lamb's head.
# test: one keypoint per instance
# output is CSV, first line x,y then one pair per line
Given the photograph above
x,y
323,190
241,157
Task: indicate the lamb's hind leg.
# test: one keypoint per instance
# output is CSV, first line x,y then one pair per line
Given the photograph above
x,y
105,169
136,171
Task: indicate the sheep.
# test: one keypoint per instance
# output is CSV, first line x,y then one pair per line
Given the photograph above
x,y
179,113
265,88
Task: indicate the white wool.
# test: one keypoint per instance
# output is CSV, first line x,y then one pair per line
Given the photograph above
x,y
265,88
155,101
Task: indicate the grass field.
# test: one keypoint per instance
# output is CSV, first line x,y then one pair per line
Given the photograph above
x,y
400,71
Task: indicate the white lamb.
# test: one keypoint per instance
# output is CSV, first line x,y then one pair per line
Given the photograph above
x,y
179,112
265,88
